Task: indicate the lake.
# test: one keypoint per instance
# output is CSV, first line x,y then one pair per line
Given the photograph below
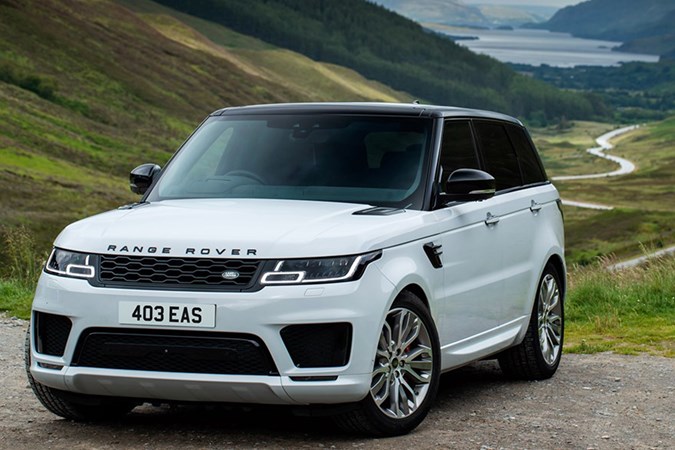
x,y
536,47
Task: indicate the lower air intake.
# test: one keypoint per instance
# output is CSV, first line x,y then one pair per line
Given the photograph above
x,y
318,345
164,351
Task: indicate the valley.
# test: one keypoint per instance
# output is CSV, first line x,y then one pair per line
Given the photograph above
x,y
89,90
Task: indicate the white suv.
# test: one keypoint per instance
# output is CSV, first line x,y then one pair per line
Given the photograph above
x,y
309,254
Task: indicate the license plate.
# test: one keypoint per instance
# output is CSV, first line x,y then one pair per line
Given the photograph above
x,y
167,314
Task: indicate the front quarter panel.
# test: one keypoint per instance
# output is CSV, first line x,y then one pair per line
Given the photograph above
x,y
407,266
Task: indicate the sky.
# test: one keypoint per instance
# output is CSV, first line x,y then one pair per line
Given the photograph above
x,y
554,3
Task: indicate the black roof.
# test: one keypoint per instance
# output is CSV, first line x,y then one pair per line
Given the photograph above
x,y
395,109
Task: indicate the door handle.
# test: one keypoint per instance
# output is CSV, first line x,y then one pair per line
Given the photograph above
x,y
535,207
491,220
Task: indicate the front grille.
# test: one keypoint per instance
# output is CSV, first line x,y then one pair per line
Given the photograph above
x,y
318,345
167,351
51,333
176,273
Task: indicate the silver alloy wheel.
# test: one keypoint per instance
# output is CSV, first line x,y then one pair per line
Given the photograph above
x,y
549,319
403,364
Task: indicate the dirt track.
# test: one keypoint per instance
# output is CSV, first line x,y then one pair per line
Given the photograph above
x,y
599,401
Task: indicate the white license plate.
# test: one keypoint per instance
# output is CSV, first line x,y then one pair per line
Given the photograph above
x,y
167,314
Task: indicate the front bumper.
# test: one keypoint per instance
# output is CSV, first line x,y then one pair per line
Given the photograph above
x,y
265,313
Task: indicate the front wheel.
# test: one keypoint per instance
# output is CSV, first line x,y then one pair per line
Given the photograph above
x,y
405,374
538,356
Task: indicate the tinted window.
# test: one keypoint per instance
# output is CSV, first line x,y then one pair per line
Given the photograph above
x,y
374,160
500,159
527,156
457,150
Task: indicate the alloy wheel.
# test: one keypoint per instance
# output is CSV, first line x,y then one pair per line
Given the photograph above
x,y
549,319
403,364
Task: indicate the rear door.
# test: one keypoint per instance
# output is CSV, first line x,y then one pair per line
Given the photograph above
x,y
515,211
538,214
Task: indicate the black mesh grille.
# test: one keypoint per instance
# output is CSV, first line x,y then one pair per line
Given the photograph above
x,y
172,273
318,345
51,333
215,353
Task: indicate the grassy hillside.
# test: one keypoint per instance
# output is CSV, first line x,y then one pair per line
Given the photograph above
x,y
302,75
88,90
387,47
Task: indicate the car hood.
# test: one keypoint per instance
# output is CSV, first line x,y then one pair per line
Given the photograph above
x,y
244,227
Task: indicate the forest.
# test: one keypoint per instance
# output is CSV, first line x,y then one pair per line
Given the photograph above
x,y
636,91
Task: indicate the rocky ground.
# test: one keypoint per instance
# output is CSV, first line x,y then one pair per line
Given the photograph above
x,y
601,401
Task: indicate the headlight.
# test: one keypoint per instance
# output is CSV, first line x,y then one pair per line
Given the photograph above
x,y
319,270
71,264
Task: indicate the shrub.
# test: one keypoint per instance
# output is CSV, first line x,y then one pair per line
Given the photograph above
x,y
23,263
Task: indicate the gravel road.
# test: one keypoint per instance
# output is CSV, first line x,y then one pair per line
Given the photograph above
x,y
601,401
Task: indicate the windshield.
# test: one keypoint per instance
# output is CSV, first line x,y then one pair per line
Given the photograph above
x,y
373,160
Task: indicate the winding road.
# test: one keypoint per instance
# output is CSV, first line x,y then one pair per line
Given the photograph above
x,y
625,168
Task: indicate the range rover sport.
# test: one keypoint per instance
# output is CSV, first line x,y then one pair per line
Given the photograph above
x,y
309,254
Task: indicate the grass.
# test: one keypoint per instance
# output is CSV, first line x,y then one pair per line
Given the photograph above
x,y
621,232
630,311
20,273
15,298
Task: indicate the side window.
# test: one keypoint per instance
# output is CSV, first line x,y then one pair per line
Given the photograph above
x,y
457,150
532,170
500,159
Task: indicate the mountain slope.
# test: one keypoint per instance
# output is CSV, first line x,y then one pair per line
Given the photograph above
x,y
88,90
447,12
315,80
458,13
609,19
384,46
649,21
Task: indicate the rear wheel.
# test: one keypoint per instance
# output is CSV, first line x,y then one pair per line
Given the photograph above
x,y
405,374
538,356
79,407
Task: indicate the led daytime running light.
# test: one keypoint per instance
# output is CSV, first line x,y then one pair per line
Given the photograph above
x,y
77,265
318,270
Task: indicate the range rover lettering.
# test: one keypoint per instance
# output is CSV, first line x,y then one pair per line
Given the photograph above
x,y
334,255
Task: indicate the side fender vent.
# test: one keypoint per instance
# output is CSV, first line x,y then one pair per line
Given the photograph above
x,y
434,254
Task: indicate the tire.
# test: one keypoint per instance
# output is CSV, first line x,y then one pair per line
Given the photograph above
x,y
538,356
410,364
78,407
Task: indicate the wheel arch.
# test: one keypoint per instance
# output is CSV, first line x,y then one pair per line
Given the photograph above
x,y
559,264
417,290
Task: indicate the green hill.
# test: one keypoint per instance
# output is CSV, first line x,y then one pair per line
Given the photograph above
x,y
88,90
384,46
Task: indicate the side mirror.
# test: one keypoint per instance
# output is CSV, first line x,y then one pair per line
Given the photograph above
x,y
142,177
468,185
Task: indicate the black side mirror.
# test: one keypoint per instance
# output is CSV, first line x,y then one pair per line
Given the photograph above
x,y
142,177
468,185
